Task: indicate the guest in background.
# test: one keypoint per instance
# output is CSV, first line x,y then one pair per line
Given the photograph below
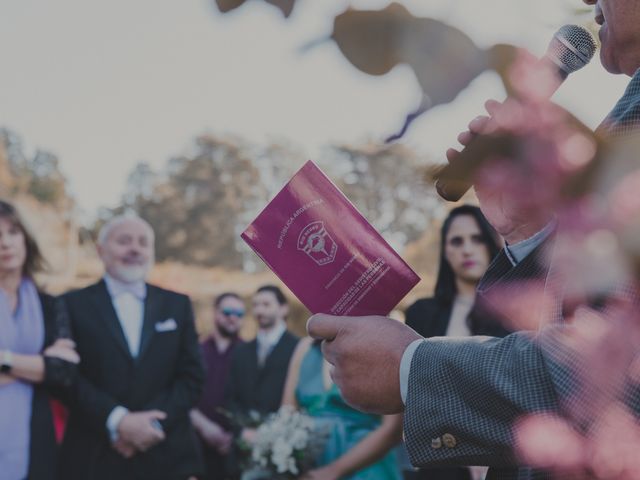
x,y
141,371
217,351
259,368
33,357
467,245
359,445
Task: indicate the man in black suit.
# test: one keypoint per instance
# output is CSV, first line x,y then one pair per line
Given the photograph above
x,y
259,368
141,370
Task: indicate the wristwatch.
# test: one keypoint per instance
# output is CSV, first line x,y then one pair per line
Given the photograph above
x,y
6,362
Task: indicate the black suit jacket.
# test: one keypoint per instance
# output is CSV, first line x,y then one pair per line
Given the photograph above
x,y
250,387
166,375
58,373
253,388
430,318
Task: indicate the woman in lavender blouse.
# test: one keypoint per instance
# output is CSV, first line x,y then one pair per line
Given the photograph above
x,y
34,356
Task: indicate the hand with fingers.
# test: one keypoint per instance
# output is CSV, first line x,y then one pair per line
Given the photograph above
x,y
138,429
126,449
365,355
520,178
63,348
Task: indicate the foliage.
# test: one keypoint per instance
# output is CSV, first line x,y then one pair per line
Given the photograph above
x,y
205,198
385,183
37,176
285,6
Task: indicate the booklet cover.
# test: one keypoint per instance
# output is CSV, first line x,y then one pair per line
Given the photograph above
x,y
326,252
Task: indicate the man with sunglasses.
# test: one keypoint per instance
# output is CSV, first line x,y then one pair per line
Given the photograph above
x,y
259,367
217,351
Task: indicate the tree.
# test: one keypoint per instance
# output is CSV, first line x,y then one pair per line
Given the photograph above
x,y
386,183
38,176
194,206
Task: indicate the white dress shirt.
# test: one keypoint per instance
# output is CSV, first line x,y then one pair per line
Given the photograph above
x,y
267,340
130,310
128,302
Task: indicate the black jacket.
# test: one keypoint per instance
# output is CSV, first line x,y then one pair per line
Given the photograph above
x,y
430,318
251,388
260,389
58,373
166,375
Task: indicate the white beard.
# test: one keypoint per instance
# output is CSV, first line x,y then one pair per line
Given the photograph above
x,y
131,274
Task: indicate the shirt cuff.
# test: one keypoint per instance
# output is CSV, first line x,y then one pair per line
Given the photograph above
x,y
405,367
114,419
519,251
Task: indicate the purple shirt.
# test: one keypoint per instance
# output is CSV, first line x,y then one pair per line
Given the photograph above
x,y
21,332
217,366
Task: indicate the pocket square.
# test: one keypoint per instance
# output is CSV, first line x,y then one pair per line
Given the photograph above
x,y
167,325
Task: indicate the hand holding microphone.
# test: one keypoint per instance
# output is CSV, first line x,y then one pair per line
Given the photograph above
x,y
571,48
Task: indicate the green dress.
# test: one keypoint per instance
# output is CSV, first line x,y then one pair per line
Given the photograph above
x,y
346,426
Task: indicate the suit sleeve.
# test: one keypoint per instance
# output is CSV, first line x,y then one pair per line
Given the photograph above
x,y
57,372
185,390
474,390
93,404
81,395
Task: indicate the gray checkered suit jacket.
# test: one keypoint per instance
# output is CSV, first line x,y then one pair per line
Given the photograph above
x,y
465,395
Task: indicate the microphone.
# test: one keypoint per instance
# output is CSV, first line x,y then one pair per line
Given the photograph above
x,y
570,49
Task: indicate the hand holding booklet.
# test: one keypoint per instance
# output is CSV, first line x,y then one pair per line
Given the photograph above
x,y
326,252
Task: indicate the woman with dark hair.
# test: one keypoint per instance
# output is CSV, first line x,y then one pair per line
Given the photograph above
x,y
467,245
33,356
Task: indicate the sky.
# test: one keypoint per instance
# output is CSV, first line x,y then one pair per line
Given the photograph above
x,y
106,84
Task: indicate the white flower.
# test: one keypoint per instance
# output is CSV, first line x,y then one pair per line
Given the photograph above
x,y
282,439
281,454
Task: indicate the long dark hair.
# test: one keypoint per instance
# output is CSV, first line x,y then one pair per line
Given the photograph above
x,y
34,261
446,289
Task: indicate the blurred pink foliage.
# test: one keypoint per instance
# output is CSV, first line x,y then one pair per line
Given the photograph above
x,y
546,164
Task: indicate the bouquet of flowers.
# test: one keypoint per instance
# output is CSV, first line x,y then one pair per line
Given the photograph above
x,y
285,446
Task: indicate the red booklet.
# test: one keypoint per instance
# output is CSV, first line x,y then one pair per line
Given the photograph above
x,y
326,252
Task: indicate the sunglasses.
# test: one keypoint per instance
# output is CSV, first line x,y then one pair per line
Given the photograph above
x,y
232,311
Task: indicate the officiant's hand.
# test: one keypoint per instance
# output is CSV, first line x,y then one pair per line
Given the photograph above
x,y
365,355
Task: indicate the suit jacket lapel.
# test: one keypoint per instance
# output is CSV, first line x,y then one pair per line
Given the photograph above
x,y
152,309
102,299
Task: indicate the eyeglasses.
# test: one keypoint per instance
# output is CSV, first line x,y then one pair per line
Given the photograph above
x,y
232,311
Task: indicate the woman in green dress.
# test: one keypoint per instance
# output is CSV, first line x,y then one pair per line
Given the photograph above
x,y
359,445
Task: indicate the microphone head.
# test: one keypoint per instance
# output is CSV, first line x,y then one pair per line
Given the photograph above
x,y
571,48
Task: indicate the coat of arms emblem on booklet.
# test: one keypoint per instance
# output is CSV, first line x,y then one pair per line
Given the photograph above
x,y
326,252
